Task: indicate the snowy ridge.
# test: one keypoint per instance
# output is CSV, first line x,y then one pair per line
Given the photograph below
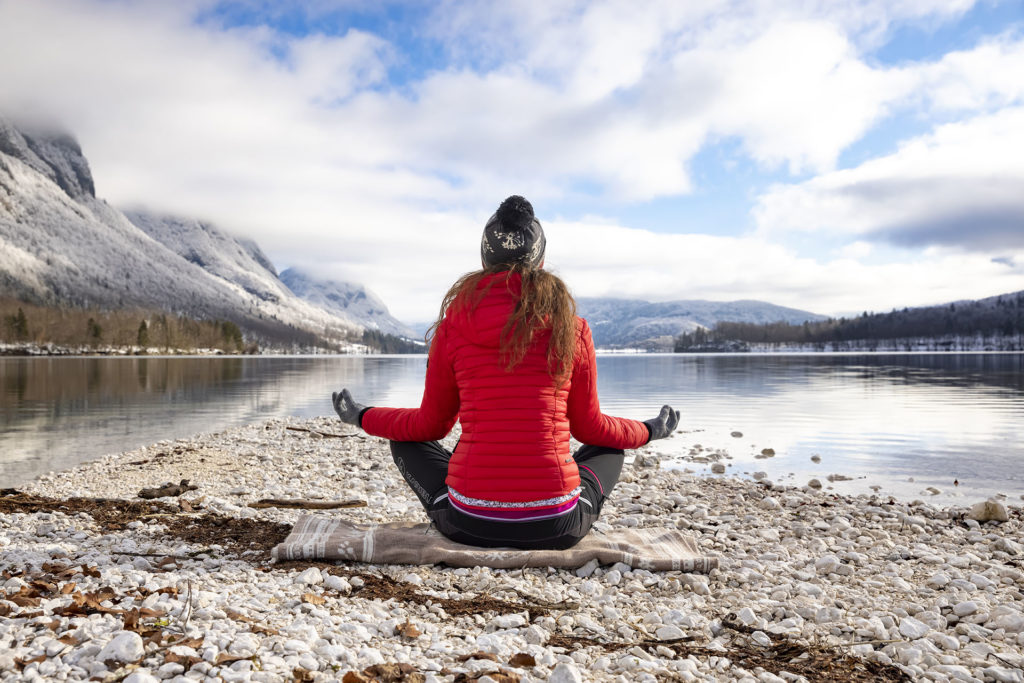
x,y
59,244
346,299
635,323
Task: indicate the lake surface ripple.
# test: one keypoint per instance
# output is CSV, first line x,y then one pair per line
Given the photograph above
x,y
881,419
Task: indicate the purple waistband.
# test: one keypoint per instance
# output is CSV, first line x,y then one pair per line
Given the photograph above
x,y
515,514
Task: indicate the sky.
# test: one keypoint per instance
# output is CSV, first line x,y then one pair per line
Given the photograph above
x,y
835,157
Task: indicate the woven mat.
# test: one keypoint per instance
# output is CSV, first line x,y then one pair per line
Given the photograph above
x,y
317,537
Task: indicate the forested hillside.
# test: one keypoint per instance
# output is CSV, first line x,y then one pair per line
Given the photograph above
x,y
995,323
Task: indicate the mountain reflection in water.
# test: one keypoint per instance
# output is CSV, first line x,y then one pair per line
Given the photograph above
x,y
881,419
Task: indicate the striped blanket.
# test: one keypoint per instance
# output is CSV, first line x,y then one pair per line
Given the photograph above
x,y
317,537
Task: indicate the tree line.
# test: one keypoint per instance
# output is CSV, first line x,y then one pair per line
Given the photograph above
x,y
95,329
1001,318
75,329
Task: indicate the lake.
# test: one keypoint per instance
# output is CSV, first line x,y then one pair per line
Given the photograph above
x,y
900,422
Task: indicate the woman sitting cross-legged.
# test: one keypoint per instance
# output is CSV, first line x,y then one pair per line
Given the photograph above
x,y
513,362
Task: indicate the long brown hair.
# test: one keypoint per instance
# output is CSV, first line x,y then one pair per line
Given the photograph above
x,y
545,303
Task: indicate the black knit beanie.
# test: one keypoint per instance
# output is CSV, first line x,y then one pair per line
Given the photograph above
x,y
512,235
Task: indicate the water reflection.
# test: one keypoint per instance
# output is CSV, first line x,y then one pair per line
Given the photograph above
x,y
881,417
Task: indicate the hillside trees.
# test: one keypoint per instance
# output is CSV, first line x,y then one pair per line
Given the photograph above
x,y
1000,317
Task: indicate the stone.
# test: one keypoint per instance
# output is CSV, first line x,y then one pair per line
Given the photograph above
x,y
1011,622
718,468
141,676
746,616
125,647
337,583
1007,546
565,672
535,635
965,608
913,629
981,581
589,568
814,484
506,621
827,564
669,633
988,510
944,641
1000,674
310,577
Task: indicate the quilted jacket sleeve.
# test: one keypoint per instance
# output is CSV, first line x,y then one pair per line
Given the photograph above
x,y
438,410
586,421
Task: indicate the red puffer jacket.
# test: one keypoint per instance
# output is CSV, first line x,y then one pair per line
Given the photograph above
x,y
515,425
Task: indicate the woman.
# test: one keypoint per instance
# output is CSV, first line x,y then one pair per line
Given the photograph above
x,y
512,361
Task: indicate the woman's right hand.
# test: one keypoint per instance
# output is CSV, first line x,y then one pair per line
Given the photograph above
x,y
346,407
664,424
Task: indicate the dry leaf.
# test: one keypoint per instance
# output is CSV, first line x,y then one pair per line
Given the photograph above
x,y
353,677
21,663
407,630
504,677
520,659
390,672
185,660
24,598
300,675
68,587
67,640
224,657
5,609
313,598
477,655
498,676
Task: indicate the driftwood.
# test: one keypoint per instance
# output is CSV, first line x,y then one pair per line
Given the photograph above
x,y
308,504
168,489
325,434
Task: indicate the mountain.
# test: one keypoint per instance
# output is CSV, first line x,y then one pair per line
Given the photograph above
x,y
346,299
642,324
61,245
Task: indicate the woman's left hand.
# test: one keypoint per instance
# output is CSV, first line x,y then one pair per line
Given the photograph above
x,y
663,425
346,407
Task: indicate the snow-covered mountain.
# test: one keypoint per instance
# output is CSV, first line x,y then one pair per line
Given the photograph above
x,y
634,323
59,244
346,299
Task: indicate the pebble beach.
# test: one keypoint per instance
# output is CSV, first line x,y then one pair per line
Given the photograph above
x,y
99,584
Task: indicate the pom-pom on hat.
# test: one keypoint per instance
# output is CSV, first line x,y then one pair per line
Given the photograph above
x,y
512,235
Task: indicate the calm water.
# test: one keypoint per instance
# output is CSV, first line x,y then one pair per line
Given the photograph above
x,y
881,419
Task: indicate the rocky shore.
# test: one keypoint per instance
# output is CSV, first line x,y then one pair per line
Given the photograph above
x,y
98,584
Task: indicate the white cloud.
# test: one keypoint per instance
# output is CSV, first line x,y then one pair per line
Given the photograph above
x,y
962,185
301,144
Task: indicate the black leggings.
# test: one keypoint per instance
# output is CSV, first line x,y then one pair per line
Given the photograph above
x,y
425,467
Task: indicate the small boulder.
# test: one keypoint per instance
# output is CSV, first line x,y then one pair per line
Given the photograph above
x,y
988,510
125,647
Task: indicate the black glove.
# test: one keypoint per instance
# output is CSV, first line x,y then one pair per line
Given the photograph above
x,y
664,424
347,409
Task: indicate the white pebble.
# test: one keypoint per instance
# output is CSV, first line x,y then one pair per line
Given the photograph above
x,y
125,647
